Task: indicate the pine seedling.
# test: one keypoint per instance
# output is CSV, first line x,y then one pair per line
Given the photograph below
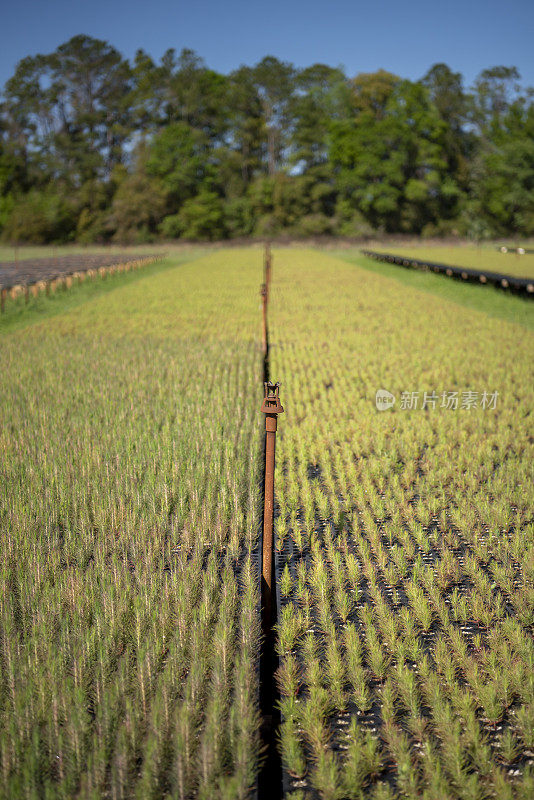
x,y
524,789
388,697
363,760
301,579
501,787
387,624
477,746
382,791
437,786
509,747
399,559
454,756
313,671
290,746
355,671
407,772
287,677
491,702
313,713
285,582
344,604
306,605
444,662
322,505
335,675
406,685
376,658
420,606
280,533
184,751
525,724
288,629
326,777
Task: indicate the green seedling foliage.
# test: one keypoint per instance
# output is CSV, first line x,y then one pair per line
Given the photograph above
x,y
419,562
130,444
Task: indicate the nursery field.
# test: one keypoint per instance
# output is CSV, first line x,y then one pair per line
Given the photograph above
x,y
131,445
129,616
405,540
482,258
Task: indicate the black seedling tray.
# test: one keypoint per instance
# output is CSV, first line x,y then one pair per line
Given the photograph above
x,y
524,286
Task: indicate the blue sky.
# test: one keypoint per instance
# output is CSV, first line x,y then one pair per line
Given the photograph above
x,y
403,37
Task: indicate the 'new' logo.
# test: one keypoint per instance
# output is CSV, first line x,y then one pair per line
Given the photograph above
x,y
384,399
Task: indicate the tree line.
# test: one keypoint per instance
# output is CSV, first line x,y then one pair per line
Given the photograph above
x,y
95,148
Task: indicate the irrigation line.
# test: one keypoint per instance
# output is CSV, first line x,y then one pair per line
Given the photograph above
x,y
523,286
270,774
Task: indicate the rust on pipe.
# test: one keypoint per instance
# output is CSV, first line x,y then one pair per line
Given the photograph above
x,y
271,408
263,292
267,266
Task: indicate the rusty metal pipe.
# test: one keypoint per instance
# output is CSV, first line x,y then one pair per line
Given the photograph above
x,y
263,292
271,408
267,267
268,514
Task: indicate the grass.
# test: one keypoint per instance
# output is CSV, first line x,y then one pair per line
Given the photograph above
x,y
418,568
491,301
129,590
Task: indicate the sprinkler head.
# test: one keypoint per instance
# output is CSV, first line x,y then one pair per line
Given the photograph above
x,y
271,399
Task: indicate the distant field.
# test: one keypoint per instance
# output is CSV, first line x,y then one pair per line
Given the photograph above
x,y
10,253
486,256
466,256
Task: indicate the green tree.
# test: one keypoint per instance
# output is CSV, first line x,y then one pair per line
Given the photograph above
x,y
201,217
447,93
198,96
248,131
274,81
138,206
42,215
495,90
151,96
322,94
390,161
371,92
503,175
70,106
178,155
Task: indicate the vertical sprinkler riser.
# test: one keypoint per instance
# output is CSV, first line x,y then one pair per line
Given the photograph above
x,y
263,292
267,267
271,408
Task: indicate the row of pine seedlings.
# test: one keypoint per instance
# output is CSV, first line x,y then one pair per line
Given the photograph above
x,y
129,590
413,617
404,546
